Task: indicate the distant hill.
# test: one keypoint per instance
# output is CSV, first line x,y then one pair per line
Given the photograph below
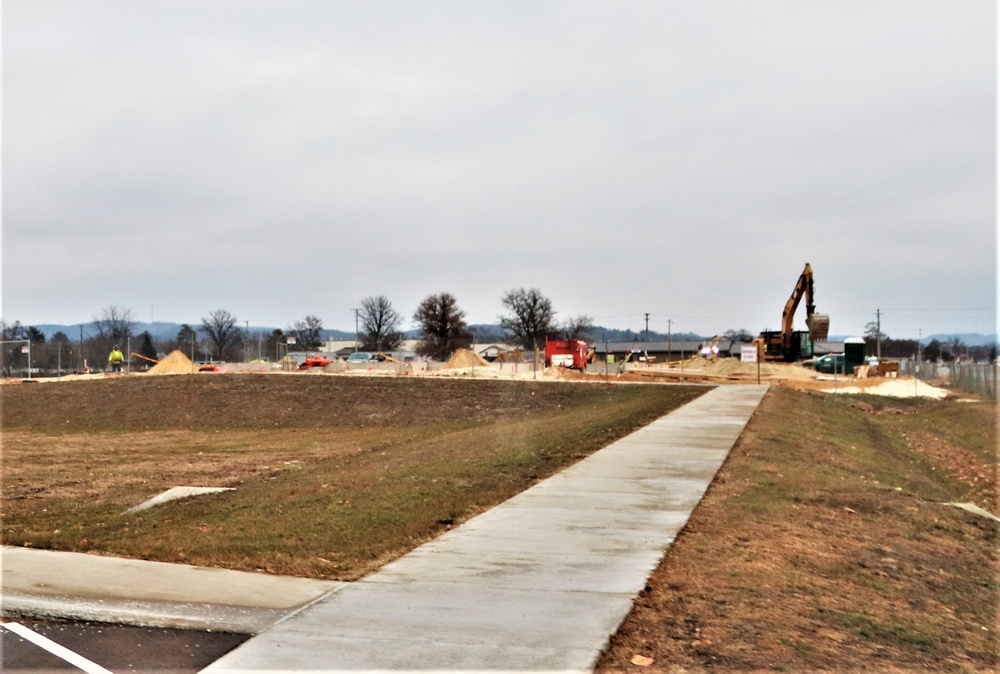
x,y
161,330
967,338
485,333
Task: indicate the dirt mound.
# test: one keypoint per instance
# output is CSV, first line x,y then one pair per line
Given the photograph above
x,y
725,369
465,358
895,388
734,366
175,363
562,373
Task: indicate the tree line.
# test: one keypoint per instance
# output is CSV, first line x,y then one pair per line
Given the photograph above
x,y
935,351
529,319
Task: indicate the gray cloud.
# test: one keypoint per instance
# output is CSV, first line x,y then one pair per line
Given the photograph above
x,y
674,158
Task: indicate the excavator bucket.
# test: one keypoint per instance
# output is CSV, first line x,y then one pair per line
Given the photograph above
x,y
819,327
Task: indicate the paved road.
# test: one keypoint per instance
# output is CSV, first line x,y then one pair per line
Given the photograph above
x,y
97,647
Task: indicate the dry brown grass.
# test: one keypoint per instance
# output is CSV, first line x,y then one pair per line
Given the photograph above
x,y
823,545
332,476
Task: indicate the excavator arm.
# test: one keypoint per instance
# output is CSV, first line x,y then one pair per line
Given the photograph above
x,y
804,286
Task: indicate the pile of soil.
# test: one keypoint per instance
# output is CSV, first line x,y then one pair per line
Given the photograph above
x,y
562,374
895,388
465,358
175,363
734,366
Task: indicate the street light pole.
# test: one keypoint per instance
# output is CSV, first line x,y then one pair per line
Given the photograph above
x,y
356,332
670,341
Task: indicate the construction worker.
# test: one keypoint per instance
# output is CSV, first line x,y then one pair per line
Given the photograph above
x,y
115,359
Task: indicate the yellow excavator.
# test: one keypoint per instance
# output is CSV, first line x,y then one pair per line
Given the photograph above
x,y
789,345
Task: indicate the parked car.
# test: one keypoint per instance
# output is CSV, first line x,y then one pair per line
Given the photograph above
x,y
830,364
362,357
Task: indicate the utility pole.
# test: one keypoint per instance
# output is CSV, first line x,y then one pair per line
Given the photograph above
x,y
647,327
878,333
670,341
356,333
607,379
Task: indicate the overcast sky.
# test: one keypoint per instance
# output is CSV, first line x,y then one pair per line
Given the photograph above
x,y
681,159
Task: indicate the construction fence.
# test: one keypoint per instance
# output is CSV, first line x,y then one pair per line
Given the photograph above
x,y
978,378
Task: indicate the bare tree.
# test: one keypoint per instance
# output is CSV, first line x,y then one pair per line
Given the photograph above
x,y
739,335
531,318
186,336
578,327
308,332
221,329
59,353
9,352
442,326
379,324
113,326
273,342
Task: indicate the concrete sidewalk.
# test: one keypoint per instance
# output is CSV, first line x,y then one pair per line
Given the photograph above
x,y
535,584
72,585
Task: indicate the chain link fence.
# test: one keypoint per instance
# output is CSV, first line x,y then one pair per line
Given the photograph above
x,y
978,378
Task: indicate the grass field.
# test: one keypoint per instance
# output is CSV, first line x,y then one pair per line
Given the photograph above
x,y
824,545
332,476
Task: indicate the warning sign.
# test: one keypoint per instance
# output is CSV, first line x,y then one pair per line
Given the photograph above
x,y
748,354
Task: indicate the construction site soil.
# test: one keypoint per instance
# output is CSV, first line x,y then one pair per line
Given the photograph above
x,y
465,364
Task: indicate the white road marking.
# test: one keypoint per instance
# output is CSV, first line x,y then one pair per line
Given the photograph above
x,y
55,649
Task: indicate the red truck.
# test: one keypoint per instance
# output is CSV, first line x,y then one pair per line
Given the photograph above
x,y
564,353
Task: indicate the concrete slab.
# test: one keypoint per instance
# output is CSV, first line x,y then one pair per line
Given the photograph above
x,y
46,583
562,571
143,613
441,612
538,583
